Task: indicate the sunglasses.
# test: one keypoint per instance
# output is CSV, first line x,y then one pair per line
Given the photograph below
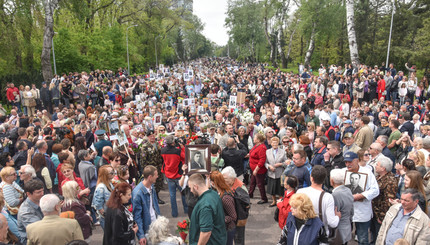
x,y
367,154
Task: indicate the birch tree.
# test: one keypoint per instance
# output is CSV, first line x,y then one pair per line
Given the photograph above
x,y
48,33
353,47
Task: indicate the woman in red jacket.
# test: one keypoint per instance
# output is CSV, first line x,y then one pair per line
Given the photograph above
x,y
381,87
290,184
257,159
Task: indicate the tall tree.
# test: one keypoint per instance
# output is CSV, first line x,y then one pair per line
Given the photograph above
x,y
353,47
48,34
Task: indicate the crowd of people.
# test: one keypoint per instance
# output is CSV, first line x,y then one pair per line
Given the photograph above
x,y
343,154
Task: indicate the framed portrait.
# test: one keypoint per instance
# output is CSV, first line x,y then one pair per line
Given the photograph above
x,y
122,138
200,110
357,182
180,108
113,127
157,118
198,159
104,125
205,102
186,102
180,126
192,109
232,102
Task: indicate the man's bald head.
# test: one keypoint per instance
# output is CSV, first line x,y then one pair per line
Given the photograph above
x,y
231,143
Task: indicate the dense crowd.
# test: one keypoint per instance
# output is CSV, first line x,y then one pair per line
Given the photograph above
x,y
343,150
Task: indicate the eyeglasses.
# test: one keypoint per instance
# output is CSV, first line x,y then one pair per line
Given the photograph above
x,y
112,172
285,142
21,172
13,174
162,130
367,154
117,160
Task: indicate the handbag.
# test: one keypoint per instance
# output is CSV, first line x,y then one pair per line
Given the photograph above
x,y
12,210
32,103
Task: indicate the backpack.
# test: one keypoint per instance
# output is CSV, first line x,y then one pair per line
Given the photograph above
x,y
242,203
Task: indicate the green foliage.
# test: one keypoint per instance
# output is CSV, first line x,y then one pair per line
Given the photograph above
x,y
91,34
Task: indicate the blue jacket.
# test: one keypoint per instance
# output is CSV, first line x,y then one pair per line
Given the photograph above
x,y
318,158
311,233
141,202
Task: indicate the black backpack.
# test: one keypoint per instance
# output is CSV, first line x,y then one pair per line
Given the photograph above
x,y
242,203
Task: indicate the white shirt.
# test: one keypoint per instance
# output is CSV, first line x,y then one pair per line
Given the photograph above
x,y
363,209
329,217
151,206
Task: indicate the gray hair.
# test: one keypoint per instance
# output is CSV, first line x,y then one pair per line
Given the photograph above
x,y
416,195
377,147
158,230
426,143
82,154
298,147
28,169
229,171
385,163
338,176
48,203
383,139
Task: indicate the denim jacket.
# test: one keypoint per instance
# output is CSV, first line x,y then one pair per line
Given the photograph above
x,y
141,202
101,196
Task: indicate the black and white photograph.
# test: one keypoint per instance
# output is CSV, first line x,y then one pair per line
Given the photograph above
x,y
186,77
232,102
192,109
113,127
180,108
180,126
356,181
122,138
205,102
197,158
186,102
200,110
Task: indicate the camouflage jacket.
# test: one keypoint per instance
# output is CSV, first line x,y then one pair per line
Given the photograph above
x,y
150,155
387,189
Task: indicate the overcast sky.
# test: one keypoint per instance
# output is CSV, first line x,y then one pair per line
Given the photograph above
x,y
212,14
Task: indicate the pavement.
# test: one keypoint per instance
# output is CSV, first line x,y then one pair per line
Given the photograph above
x,y
260,229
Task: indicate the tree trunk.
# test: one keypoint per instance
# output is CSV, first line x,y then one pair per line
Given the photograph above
x,y
48,34
311,47
353,48
269,40
289,45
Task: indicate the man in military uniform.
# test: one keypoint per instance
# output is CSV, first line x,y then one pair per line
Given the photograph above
x,y
151,155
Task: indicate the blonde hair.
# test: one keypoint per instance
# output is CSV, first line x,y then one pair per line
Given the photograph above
x,y
312,125
6,171
420,158
303,206
70,192
401,241
276,139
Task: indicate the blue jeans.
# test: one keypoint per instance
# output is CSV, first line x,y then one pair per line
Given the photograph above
x,y
102,222
173,185
362,231
230,236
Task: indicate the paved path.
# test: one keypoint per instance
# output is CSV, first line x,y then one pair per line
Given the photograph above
x,y
260,229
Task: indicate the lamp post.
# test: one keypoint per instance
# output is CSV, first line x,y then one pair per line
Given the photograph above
x,y
53,53
128,58
156,57
389,38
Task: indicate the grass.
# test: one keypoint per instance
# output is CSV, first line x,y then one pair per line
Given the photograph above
x,y
294,70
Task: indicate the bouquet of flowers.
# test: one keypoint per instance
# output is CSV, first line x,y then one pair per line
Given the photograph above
x,y
183,226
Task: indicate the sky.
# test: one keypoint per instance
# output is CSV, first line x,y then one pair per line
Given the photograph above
x,y
212,14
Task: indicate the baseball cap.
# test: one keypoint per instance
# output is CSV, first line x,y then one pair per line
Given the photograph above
x,y
347,135
348,121
350,156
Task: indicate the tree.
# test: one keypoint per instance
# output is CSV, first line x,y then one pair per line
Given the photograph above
x,y
353,49
49,6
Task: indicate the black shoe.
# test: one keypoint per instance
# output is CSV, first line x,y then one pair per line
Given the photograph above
x,y
272,205
262,202
161,201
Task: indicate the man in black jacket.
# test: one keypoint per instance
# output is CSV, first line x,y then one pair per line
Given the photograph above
x,y
234,157
45,96
333,159
405,124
